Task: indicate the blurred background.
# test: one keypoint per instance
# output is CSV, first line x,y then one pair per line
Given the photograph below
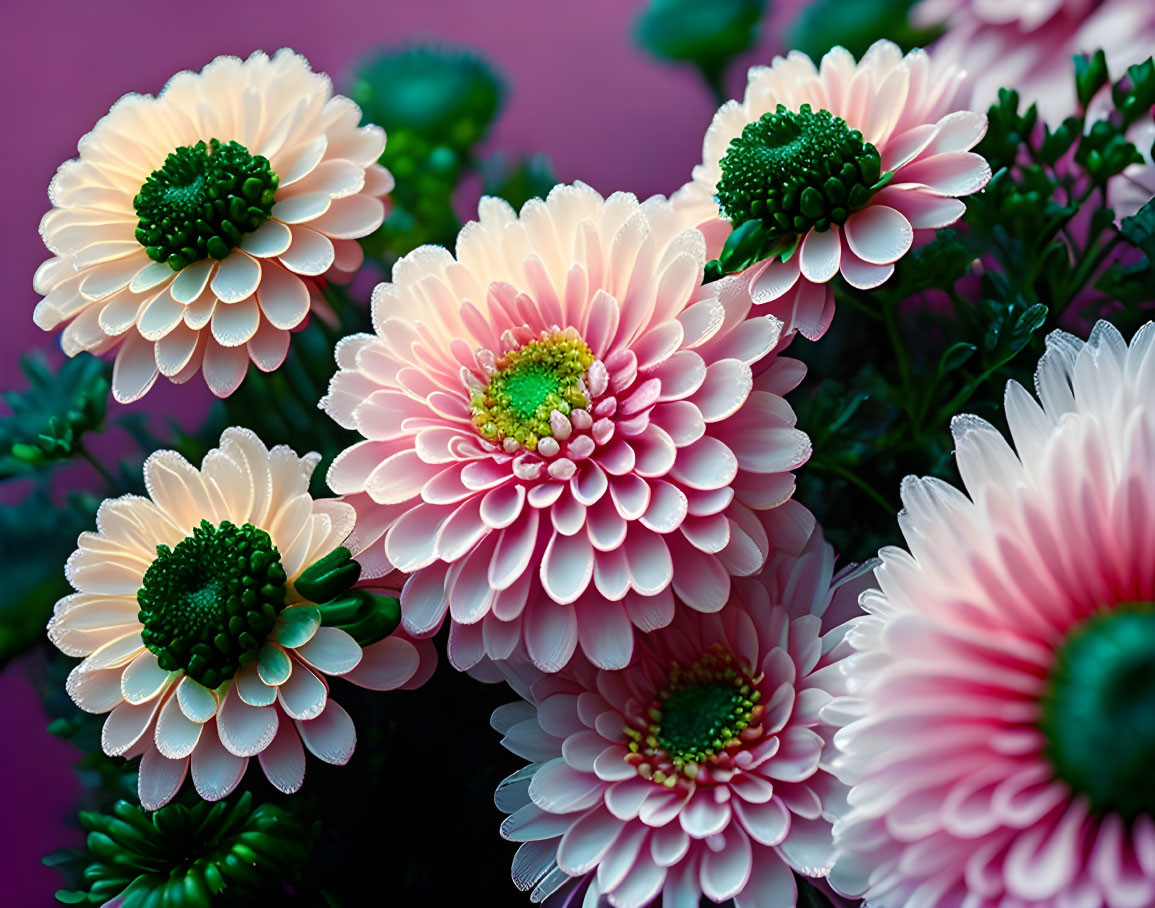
x,y
592,91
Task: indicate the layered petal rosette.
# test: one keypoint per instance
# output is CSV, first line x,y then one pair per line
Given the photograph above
x,y
843,166
1001,732
204,618
554,419
1028,46
192,230
702,768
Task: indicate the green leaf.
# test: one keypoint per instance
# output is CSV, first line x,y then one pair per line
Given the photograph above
x,y
956,356
37,535
1058,143
1090,75
1135,96
1028,323
1139,229
50,417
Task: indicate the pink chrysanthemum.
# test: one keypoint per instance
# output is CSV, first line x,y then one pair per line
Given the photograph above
x,y
201,664
554,419
806,153
1000,736
701,769
190,233
1028,45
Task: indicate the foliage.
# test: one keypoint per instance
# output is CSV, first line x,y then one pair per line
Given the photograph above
x,y
50,418
193,855
969,311
707,35
436,104
36,538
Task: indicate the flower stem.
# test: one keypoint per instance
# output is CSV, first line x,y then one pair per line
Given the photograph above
x,y
100,468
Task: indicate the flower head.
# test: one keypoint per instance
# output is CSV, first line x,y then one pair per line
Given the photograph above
x,y
1028,46
999,737
190,854
211,614
189,233
555,417
700,768
841,166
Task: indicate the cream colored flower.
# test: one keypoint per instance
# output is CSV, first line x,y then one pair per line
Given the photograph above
x,y
198,643
189,233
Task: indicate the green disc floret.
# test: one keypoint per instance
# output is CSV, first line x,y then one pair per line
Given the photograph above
x,y
703,711
797,170
202,202
530,383
1098,710
698,721
208,604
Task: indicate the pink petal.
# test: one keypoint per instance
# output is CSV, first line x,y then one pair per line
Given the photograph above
x,y
820,253
386,665
878,235
160,779
551,634
330,737
952,173
567,567
236,278
283,297
284,759
605,633
215,771
225,368
245,730
331,650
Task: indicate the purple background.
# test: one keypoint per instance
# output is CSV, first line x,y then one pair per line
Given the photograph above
x,y
579,91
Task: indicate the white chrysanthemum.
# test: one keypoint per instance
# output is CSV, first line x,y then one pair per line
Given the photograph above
x,y
198,642
190,231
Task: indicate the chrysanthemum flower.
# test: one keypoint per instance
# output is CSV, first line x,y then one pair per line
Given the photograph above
x,y
842,164
557,416
189,233
701,768
206,614
1002,730
1028,45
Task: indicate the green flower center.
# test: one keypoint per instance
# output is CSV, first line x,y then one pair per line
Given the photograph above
x,y
795,171
545,375
208,604
701,713
202,202
1098,711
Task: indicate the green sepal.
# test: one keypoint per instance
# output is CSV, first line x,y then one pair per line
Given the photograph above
x,y
1058,143
365,616
1090,75
1138,99
743,247
329,577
